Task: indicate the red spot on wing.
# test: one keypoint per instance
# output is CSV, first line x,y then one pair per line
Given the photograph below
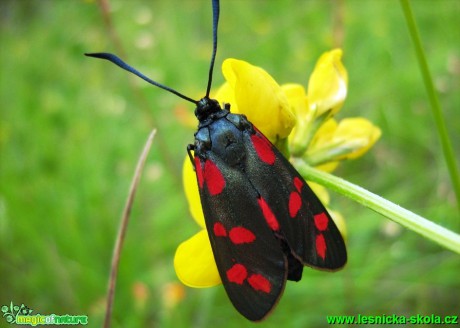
x,y
259,282
199,172
321,246
214,178
294,204
219,230
268,215
237,274
321,221
298,183
263,148
240,235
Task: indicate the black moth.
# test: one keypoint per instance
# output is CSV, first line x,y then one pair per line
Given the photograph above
x,y
263,220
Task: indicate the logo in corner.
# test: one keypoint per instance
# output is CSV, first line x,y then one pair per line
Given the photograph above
x,y
22,315
11,312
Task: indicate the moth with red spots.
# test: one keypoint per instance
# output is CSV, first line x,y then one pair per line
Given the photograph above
x,y
263,220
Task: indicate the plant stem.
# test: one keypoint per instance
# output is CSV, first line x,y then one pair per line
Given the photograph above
x,y
432,95
122,230
410,220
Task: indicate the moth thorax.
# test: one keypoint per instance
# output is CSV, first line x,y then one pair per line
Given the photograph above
x,y
227,142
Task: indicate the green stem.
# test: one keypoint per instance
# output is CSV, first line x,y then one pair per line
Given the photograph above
x,y
410,220
435,105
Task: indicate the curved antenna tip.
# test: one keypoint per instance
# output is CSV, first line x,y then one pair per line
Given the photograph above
x,y
120,63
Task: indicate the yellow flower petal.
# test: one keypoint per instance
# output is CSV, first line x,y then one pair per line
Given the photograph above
x,y
321,192
297,98
327,87
349,139
225,94
260,98
301,133
191,192
357,135
318,146
339,222
328,167
194,262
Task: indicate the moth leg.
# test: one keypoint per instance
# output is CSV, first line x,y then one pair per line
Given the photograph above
x,y
191,147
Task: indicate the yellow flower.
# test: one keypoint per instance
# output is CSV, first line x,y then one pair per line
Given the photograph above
x,y
191,192
348,139
317,139
327,87
250,90
194,262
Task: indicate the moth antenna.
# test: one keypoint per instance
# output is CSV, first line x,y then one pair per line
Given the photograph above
x,y
117,61
215,22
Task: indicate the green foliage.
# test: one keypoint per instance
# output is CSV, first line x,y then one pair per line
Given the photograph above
x,y
72,128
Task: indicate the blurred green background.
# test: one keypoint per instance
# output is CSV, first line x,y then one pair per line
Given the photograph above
x,y
72,128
